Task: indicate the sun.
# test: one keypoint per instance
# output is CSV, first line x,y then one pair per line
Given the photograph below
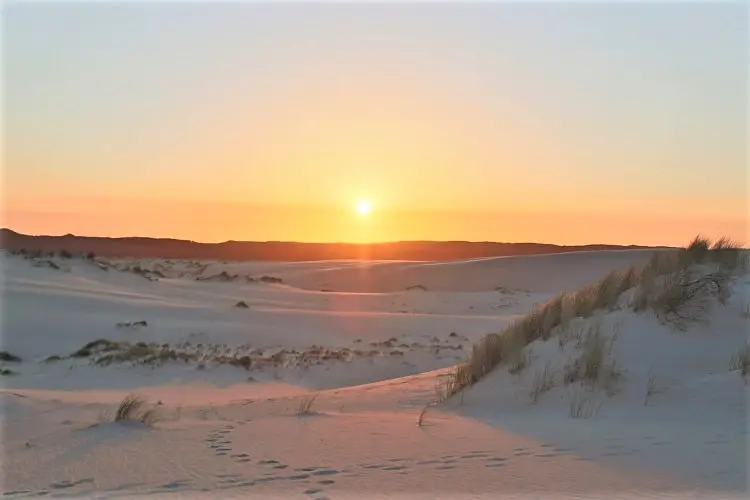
x,y
364,207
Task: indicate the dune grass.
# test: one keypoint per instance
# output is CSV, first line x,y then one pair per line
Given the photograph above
x,y
133,409
543,381
669,285
740,361
305,405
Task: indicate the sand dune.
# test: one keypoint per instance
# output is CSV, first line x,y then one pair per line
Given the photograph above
x,y
230,382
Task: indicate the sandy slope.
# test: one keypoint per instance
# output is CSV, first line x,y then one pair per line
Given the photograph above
x,y
224,433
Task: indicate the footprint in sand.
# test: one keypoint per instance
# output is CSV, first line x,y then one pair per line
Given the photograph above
x,y
328,472
395,467
446,467
69,484
174,484
326,482
297,477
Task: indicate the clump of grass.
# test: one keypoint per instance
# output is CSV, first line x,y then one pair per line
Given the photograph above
x,y
242,304
306,404
580,405
745,311
740,361
677,291
132,408
99,345
684,298
697,250
651,387
543,381
422,415
516,356
592,358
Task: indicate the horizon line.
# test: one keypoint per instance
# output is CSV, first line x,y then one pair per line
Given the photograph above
x,y
298,242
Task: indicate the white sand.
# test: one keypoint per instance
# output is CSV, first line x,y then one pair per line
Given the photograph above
x,y
225,435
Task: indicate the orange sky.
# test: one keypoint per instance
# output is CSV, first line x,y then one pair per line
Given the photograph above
x,y
489,123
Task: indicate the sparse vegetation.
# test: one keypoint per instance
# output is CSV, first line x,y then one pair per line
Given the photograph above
x,y
543,381
242,304
306,404
651,387
592,358
668,284
132,408
740,361
518,360
422,415
97,346
580,405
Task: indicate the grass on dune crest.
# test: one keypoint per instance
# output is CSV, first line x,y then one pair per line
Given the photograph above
x,y
677,285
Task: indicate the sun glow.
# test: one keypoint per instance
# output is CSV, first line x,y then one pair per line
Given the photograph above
x,y
364,207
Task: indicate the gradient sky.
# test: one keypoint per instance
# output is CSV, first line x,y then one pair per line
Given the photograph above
x,y
553,122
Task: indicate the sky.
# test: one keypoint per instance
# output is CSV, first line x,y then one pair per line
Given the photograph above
x,y
557,122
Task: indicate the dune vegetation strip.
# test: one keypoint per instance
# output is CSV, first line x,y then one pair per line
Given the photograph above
x,y
677,286
104,352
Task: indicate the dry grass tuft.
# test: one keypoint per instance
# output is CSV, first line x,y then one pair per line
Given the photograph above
x,y
543,381
422,414
740,361
132,409
651,387
580,405
305,405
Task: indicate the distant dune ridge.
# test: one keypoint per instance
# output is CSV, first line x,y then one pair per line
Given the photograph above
x,y
138,247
